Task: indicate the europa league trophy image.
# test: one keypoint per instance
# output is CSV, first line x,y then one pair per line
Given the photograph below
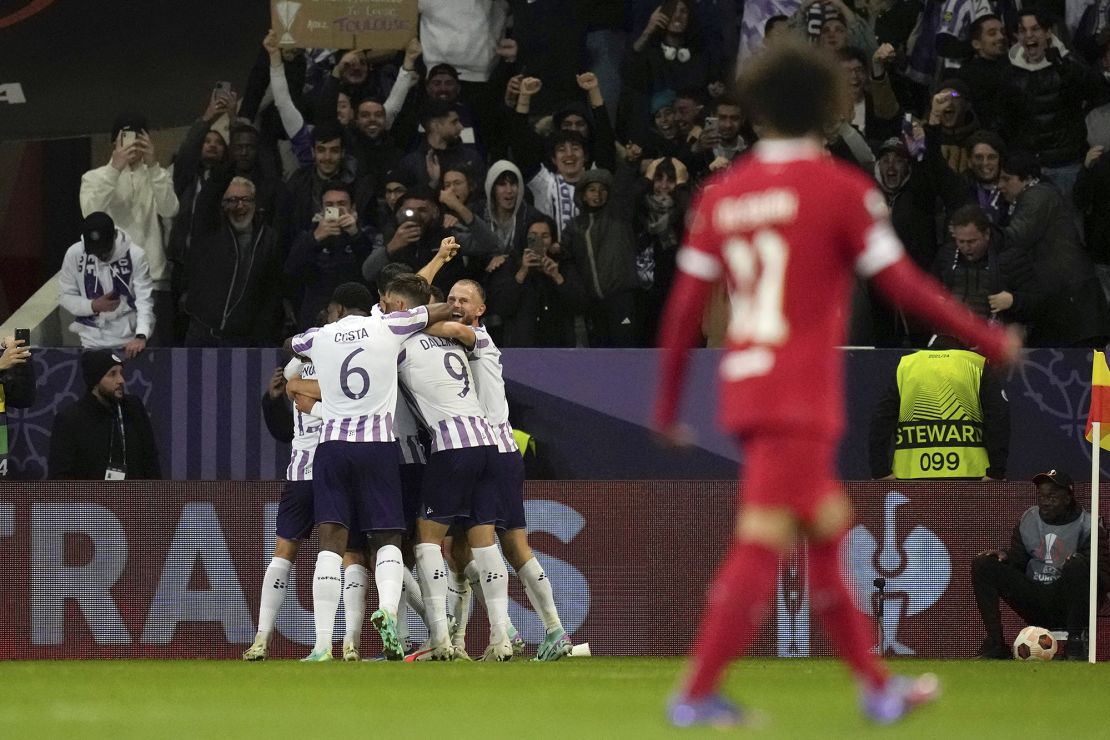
x,y
287,11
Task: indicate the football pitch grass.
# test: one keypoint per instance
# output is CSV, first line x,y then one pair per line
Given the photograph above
x,y
574,698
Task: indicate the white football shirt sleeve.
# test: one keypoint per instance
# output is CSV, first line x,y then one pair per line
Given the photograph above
x,y
302,343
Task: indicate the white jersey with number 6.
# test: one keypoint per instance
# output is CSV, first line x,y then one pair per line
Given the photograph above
x,y
356,365
436,376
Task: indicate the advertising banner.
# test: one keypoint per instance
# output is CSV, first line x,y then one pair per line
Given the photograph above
x,y
173,570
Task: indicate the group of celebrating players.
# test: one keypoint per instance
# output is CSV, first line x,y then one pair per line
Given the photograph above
x,y
365,385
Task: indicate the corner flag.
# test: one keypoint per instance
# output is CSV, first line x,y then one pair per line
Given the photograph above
x,y
1100,402
1098,418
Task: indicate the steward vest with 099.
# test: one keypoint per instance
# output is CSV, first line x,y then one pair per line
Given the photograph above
x,y
940,417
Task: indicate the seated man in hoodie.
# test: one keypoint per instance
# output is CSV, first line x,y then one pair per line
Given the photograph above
x,y
233,288
105,283
603,245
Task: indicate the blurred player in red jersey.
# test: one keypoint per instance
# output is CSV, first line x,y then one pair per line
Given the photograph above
x,y
788,229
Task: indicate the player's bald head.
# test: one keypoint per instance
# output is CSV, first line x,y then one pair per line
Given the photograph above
x,y
467,300
818,91
472,285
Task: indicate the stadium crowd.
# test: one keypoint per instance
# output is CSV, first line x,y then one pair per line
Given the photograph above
x,y
564,162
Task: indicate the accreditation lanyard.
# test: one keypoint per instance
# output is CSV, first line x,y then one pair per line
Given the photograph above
x,y
112,472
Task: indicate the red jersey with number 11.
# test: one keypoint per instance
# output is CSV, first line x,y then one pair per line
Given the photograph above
x,y
788,228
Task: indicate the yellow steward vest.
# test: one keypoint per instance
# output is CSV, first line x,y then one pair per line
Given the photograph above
x,y
940,418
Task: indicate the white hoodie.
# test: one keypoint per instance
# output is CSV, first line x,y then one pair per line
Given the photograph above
x,y
84,277
462,33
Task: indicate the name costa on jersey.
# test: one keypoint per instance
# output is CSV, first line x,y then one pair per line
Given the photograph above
x,y
355,335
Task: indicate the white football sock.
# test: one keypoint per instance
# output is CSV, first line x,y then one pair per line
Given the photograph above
x,y
495,586
327,584
389,578
475,577
538,587
433,587
403,621
412,595
274,585
458,603
355,581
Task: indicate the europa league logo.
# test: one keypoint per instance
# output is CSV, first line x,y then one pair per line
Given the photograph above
x,y
286,12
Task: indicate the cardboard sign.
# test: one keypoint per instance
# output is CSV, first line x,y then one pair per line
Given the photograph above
x,y
344,24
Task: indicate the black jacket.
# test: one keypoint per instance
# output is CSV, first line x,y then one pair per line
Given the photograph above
x,y
1000,270
249,316
278,415
989,87
1092,195
1043,224
314,269
602,242
19,385
913,206
537,312
86,435
1049,108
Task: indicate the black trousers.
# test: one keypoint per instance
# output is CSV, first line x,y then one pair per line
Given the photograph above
x,y
611,321
1061,604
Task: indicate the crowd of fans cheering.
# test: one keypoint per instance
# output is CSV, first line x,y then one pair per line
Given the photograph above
x,y
560,144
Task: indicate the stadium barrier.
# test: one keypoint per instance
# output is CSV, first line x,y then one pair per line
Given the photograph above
x,y
172,570
587,409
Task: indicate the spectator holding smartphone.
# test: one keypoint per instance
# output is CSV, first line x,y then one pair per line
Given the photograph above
x,y
538,291
136,191
105,283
